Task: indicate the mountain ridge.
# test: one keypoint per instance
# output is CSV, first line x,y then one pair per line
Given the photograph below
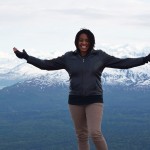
x,y
13,70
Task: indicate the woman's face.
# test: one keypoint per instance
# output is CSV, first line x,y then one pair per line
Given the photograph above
x,y
83,44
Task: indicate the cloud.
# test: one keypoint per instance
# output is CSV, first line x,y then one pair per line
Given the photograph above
x,y
142,19
88,13
4,55
52,24
123,12
129,13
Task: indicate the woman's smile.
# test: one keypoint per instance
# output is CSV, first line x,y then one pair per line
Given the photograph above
x,y
83,44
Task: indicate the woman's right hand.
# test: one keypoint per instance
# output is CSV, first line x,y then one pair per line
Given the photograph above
x,y
19,54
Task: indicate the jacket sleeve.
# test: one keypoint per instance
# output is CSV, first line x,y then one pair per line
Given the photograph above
x,y
53,64
124,63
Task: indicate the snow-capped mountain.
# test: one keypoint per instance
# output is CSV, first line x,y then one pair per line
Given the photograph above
x,y
13,70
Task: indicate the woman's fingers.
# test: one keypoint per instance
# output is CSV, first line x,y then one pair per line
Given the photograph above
x,y
15,49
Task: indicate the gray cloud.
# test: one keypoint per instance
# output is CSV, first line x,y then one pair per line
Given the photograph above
x,y
142,19
83,13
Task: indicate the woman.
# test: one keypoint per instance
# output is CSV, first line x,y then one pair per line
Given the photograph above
x,y
85,66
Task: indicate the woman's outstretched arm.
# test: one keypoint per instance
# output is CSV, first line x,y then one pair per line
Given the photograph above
x,y
53,64
114,62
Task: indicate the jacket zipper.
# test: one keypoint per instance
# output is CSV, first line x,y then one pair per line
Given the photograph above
x,y
83,60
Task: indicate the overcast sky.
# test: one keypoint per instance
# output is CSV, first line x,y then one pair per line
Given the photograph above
x,y
51,25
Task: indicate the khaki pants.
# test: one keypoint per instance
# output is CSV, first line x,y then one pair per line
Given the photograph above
x,y
87,121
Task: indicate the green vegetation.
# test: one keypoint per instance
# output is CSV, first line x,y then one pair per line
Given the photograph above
x,y
39,120
36,130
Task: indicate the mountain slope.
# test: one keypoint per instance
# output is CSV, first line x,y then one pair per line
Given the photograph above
x,y
34,115
13,69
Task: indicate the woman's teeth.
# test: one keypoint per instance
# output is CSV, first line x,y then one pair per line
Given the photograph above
x,y
84,46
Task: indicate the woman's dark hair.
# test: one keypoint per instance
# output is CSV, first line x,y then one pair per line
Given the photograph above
x,y
89,34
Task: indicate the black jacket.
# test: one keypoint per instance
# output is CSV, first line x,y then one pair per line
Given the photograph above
x,y
85,72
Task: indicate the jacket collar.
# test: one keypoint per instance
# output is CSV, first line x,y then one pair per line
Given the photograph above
x,y
93,51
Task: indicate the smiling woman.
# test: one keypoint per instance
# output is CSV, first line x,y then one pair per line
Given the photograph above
x,y
85,66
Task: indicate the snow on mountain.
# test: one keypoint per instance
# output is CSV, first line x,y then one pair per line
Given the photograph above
x,y
138,76
13,70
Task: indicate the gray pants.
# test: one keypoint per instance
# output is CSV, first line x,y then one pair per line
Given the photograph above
x,y
87,121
